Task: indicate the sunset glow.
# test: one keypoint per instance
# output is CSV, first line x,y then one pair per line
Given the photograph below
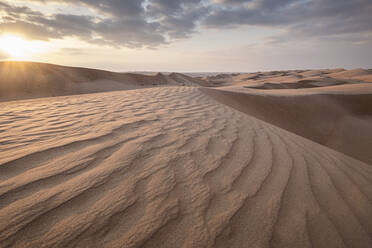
x,y
18,48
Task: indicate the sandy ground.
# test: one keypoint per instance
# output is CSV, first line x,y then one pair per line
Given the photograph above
x,y
171,167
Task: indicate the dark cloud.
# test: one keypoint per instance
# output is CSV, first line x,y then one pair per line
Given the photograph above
x,y
300,18
123,24
150,23
178,18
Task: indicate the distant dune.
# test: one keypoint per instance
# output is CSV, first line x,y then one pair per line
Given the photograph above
x,y
358,74
292,79
232,166
21,80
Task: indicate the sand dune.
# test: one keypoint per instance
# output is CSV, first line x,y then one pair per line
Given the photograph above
x,y
171,167
356,74
22,80
291,79
339,117
331,107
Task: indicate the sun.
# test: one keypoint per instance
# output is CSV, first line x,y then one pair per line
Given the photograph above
x,y
18,48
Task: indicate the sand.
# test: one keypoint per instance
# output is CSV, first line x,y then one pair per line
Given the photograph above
x,y
337,117
25,80
189,166
171,167
330,107
291,79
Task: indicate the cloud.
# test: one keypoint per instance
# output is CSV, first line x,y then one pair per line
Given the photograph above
x,y
298,18
150,23
178,18
73,51
123,24
117,22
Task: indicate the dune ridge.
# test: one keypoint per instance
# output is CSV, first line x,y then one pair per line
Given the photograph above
x,y
24,80
291,79
171,167
339,120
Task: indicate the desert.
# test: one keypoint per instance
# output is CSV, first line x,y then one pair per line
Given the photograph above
x,y
183,165
185,124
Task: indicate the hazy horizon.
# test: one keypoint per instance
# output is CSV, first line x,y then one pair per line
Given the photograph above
x,y
183,71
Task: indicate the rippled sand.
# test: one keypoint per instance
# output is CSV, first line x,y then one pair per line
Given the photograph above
x,y
171,167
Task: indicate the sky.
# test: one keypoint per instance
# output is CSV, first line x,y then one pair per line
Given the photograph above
x,y
189,35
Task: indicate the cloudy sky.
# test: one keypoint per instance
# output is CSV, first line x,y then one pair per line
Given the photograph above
x,y
189,35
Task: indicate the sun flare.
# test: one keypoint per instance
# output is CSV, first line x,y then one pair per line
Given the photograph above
x,y
18,48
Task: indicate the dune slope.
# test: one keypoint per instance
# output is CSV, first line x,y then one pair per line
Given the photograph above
x,y
339,117
23,80
171,167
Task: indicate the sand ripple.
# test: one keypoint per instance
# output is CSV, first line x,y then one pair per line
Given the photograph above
x,y
170,167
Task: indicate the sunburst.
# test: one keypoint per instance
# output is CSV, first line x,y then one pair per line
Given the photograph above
x,y
18,48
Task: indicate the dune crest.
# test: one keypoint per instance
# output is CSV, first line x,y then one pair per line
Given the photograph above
x,y
171,167
337,117
24,80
